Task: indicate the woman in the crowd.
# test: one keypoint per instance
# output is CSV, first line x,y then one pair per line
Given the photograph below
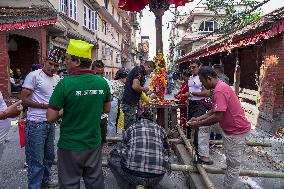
x,y
181,96
117,90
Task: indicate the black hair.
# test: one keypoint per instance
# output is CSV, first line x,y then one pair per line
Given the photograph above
x,y
146,115
150,63
218,67
98,64
59,71
186,73
120,74
207,71
84,62
196,61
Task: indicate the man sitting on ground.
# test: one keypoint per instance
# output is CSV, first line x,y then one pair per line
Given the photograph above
x,y
144,156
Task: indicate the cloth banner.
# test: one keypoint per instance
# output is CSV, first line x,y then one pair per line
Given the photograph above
x,y
21,127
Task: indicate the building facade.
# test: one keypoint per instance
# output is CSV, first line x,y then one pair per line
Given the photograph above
x,y
23,37
29,28
98,22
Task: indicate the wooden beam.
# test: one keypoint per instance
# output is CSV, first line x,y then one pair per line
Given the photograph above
x,y
214,170
179,141
201,170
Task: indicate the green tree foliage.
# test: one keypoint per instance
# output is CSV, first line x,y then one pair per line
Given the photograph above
x,y
235,12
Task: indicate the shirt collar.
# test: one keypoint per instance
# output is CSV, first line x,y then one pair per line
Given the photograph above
x,y
49,75
83,71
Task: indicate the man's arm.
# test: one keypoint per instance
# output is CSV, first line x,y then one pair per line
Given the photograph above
x,y
208,114
137,86
12,111
107,106
210,120
25,98
203,93
53,114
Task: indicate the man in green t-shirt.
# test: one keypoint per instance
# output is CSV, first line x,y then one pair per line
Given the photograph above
x,y
83,97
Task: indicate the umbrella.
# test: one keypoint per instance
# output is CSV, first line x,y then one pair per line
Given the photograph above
x,y
138,5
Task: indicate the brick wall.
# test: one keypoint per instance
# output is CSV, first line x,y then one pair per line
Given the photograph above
x,y
271,104
43,44
4,77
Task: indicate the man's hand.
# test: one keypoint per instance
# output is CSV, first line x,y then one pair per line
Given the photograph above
x,y
194,119
192,124
14,110
145,89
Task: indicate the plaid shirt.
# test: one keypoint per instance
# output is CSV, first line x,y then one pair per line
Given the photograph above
x,y
145,148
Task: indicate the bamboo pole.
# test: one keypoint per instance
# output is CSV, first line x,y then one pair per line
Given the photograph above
x,y
209,184
249,143
214,170
179,141
186,142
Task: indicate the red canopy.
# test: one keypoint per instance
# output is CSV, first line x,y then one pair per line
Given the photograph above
x,y
138,5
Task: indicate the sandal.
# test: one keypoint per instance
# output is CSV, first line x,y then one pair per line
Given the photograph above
x,y
200,161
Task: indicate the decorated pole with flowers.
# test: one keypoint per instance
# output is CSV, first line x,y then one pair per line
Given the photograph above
x,y
158,82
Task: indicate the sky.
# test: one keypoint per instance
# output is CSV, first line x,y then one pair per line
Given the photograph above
x,y
147,23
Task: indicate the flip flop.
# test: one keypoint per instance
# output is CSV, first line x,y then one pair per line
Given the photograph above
x,y
198,160
206,162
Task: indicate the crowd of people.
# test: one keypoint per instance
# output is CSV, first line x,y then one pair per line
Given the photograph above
x,y
90,106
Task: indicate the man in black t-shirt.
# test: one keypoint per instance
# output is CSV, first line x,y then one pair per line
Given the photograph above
x,y
133,89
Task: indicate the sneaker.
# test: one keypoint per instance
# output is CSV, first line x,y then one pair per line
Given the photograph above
x,y
49,184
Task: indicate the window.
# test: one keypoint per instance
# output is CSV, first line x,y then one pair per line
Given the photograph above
x,y
117,37
107,53
111,54
104,27
112,11
69,7
106,3
90,18
181,52
208,26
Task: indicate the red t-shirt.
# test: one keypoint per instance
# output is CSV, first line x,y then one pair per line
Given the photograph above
x,y
225,100
183,90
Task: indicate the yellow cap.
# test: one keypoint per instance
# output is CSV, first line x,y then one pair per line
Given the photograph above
x,y
80,48
11,72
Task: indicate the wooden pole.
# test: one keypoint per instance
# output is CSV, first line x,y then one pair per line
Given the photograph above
x,y
209,184
158,24
186,142
214,170
179,141
237,74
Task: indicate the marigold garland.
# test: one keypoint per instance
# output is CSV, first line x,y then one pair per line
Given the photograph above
x,y
159,82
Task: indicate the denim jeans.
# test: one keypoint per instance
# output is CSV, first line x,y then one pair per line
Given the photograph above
x,y
130,115
112,115
39,152
2,148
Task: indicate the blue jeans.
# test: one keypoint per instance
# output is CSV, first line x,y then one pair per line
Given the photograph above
x,y
112,115
39,152
130,115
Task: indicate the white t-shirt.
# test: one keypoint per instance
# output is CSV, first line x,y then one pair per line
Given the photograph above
x,y
42,86
194,85
5,124
12,80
